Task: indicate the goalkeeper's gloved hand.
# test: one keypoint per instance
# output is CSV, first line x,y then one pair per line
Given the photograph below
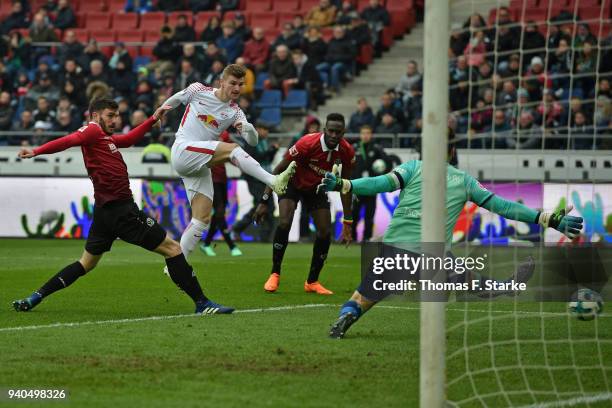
x,y
559,220
333,182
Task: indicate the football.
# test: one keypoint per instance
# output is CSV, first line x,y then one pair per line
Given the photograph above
x,y
586,304
379,166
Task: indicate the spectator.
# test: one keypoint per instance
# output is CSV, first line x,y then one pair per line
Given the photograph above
x,y
199,5
583,35
603,113
507,41
561,65
6,111
44,88
44,68
482,116
411,77
321,15
299,26
6,79
122,80
359,32
549,111
64,17
363,116
240,27
214,73
169,5
287,37
536,79
212,53
187,75
346,13
507,97
124,111
257,51
75,92
65,107
72,72
25,123
91,53
40,30
314,47
461,97
458,41
230,42
212,31
227,5
196,59
585,65
120,53
137,118
70,48
156,151
460,71
387,106
582,132
527,135
554,35
64,123
247,107
367,151
388,124
414,108
511,69
377,17
603,88
140,6
339,59
249,79
476,50
166,50
44,113
500,130
20,51
96,72
475,22
281,68
307,78
532,40
18,18
183,32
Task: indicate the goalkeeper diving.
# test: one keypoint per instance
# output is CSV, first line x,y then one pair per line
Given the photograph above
x,y
405,226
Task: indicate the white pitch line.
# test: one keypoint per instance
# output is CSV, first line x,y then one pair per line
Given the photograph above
x,y
587,399
257,310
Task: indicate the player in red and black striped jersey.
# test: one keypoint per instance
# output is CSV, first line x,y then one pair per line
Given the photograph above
x,y
115,212
315,154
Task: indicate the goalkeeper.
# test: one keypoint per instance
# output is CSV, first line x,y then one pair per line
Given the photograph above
x,y
405,226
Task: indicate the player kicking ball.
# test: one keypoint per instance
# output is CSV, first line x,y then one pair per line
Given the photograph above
x,y
314,154
116,215
405,226
197,147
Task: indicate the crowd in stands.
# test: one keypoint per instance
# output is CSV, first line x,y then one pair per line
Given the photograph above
x,y
513,85
43,81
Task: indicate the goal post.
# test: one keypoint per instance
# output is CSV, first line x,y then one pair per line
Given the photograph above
x,y
435,122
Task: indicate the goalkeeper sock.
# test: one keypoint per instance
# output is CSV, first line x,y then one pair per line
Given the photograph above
x,y
351,307
319,255
62,279
182,274
250,166
192,235
281,239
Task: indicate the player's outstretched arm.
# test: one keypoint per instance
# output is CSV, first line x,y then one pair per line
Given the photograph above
x,y
77,138
136,134
366,186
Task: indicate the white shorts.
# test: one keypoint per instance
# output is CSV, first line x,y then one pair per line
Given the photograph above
x,y
189,159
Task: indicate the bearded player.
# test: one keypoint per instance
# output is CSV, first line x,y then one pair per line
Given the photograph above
x,y
115,212
405,226
209,112
314,154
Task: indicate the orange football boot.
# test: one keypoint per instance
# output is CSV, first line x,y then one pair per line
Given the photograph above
x,y
272,283
316,287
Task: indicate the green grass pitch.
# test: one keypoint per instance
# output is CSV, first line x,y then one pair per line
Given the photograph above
x,y
271,357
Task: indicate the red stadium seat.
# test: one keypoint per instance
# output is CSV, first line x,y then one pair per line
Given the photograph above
x,y
366,54
106,36
387,37
555,10
265,19
150,21
286,5
173,17
124,21
592,13
116,6
534,14
285,17
81,19
258,5
231,15
98,20
271,33
152,36
306,5
327,33
583,3
134,51
518,4
81,34
130,36
361,4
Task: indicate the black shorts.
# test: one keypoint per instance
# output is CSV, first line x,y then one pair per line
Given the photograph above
x,y
311,200
122,219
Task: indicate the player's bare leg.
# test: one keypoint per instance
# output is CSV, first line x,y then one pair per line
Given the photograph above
x,y
320,249
233,153
286,209
61,280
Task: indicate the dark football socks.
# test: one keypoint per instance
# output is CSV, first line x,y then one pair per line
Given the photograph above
x,y
319,255
281,239
62,279
181,273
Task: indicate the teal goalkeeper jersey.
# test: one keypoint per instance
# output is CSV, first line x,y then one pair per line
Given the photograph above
x,y
405,226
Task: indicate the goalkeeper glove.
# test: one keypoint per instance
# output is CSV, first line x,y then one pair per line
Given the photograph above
x,y
559,220
333,182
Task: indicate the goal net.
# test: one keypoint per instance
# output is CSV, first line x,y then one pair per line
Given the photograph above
x,y
529,100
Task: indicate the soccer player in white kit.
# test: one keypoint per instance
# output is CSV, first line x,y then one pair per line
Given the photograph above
x,y
197,147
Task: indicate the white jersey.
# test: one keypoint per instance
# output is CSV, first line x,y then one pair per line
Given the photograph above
x,y
206,117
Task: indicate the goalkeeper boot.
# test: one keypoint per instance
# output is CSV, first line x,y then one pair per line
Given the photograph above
x,y
316,287
349,314
282,180
210,307
27,304
207,249
271,284
236,252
